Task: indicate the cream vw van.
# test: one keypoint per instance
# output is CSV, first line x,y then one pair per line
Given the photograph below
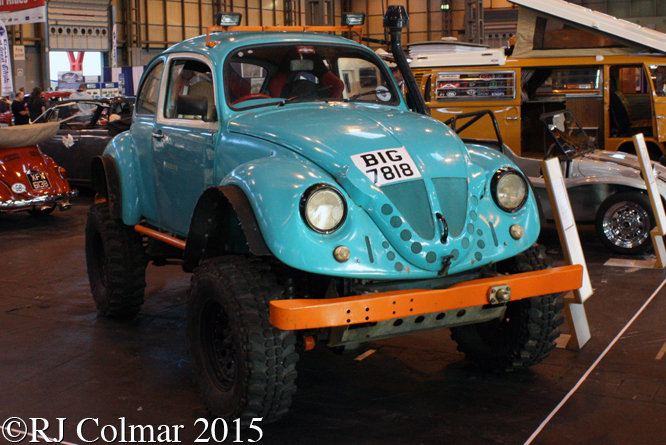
x,y
610,73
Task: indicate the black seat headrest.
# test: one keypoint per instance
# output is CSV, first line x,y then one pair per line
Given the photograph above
x,y
189,105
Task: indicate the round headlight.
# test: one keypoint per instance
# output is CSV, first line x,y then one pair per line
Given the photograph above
x,y
323,208
509,189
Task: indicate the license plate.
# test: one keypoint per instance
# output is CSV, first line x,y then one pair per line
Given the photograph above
x,y
387,166
38,181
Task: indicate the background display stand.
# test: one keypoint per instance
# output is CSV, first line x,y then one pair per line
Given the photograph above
x,y
573,252
658,232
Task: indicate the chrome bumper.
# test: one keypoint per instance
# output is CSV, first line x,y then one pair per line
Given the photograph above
x,y
39,201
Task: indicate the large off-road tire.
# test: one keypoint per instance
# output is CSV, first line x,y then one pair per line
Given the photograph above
x,y
244,367
116,260
527,332
624,222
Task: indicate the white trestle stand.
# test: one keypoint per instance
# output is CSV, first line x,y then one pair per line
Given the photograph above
x,y
658,232
572,250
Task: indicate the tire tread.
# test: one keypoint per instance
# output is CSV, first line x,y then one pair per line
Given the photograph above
x,y
126,262
539,320
269,353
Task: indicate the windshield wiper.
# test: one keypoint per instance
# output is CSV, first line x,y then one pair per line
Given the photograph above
x,y
367,93
295,98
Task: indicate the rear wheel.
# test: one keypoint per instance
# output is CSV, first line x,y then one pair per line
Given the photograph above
x,y
41,211
244,367
527,332
116,261
624,222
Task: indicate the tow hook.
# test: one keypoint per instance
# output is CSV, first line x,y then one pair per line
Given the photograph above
x,y
445,227
499,294
446,263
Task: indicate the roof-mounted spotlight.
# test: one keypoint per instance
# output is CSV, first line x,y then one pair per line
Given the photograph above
x,y
396,18
353,19
228,18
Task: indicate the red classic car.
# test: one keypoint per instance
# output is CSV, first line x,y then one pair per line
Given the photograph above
x,y
30,180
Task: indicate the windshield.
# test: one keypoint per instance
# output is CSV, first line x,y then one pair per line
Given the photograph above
x,y
284,73
569,138
73,113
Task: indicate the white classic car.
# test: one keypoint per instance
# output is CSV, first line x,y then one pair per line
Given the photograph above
x,y
605,188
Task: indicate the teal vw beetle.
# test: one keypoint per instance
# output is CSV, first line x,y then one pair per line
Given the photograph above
x,y
285,169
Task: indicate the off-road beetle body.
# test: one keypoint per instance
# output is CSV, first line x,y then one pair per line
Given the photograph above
x,y
312,204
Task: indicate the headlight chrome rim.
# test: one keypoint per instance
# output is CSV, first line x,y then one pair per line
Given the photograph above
x,y
309,193
501,173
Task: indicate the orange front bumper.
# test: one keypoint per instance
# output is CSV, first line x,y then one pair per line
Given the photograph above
x,y
310,314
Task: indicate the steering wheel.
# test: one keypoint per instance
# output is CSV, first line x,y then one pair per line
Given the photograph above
x,y
250,97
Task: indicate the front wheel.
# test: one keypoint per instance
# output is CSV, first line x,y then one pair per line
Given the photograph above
x,y
116,261
624,221
526,333
244,367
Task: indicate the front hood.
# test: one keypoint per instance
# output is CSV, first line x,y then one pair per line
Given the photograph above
x,y
329,134
613,163
414,200
18,166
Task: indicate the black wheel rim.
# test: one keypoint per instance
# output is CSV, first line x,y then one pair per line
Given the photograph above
x,y
218,346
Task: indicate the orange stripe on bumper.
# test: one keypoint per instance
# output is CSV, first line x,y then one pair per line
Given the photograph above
x,y
321,313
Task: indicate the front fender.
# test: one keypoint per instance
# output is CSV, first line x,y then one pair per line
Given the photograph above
x,y
274,187
588,193
125,155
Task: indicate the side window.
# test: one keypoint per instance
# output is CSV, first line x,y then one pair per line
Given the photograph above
x,y
476,85
658,73
190,91
147,100
632,80
552,33
568,81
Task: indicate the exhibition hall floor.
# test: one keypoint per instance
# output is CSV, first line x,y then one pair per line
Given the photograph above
x,y
59,360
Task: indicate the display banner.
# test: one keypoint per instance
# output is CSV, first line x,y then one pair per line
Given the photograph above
x,y
5,63
17,12
114,47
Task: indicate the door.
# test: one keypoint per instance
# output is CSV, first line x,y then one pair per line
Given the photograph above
x,y
658,76
184,140
142,130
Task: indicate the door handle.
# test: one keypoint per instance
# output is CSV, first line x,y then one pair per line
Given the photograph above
x,y
511,118
158,135
660,117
